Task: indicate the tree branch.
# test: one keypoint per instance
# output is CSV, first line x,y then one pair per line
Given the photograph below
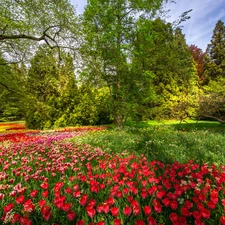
x,y
30,37
215,118
20,36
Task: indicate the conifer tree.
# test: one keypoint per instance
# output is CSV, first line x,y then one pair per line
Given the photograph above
x,y
215,53
212,100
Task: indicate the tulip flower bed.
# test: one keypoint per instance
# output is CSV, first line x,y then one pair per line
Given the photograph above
x,y
49,181
5,127
31,136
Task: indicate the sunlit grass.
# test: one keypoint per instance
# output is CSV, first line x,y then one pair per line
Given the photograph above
x,y
202,142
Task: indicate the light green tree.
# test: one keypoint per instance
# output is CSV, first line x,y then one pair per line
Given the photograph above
x,y
164,52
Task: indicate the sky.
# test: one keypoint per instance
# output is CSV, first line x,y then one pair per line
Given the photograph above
x,y
199,28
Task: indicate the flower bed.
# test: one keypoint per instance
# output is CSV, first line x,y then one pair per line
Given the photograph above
x,y
10,127
52,182
36,135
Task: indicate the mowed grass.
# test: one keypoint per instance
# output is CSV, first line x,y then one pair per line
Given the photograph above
x,y
170,141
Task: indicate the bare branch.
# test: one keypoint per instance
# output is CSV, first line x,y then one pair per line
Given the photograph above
x,y
215,118
25,36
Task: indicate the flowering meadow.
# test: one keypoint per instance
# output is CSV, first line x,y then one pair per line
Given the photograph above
x,y
47,179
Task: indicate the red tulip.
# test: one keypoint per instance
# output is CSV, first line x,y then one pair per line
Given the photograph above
x,y
127,211
222,220
147,210
45,194
115,211
140,222
80,222
117,221
34,193
1,196
106,208
66,207
90,211
41,203
100,223
28,206
16,218
151,220
173,217
46,212
71,215
185,212
20,199
84,199
8,207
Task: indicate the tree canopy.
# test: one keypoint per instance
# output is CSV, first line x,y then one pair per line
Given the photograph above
x,y
26,23
130,64
215,57
110,27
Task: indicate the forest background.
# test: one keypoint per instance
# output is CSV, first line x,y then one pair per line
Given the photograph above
x,y
119,60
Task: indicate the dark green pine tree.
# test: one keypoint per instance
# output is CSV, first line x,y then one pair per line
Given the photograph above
x,y
215,53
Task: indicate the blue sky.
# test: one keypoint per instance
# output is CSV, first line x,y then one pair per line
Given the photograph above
x,y
198,29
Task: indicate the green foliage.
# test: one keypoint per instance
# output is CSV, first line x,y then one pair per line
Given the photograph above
x,y
11,91
54,99
25,23
212,101
165,53
215,53
109,31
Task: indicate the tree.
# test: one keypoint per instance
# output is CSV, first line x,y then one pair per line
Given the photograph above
x,y
212,101
215,53
164,52
54,98
12,91
109,29
199,58
26,23
41,88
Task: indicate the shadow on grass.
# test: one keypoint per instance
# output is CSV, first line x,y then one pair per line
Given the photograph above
x,y
212,126
202,142
200,126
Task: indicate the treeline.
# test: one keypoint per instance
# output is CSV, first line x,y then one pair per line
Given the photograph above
x,y
129,64
47,94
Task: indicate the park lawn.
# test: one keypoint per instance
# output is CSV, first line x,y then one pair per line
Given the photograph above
x,y
168,141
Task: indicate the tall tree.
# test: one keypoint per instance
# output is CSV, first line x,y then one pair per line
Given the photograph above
x,y
212,101
41,87
109,27
24,23
199,58
215,53
164,52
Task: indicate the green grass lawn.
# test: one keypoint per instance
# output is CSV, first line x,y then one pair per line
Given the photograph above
x,y
168,141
